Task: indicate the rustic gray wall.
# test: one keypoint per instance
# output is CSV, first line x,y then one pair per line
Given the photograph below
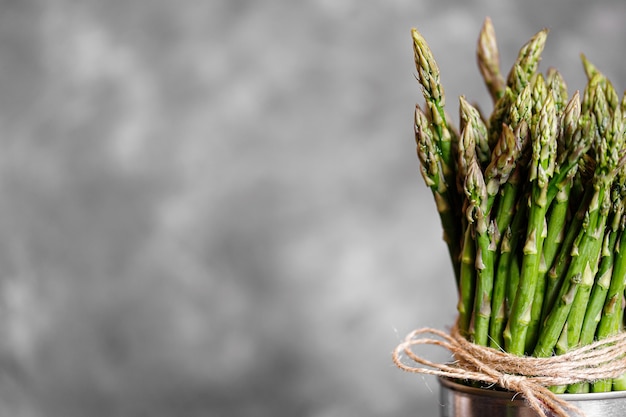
x,y
214,208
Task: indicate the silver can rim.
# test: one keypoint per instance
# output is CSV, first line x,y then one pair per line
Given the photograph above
x,y
594,396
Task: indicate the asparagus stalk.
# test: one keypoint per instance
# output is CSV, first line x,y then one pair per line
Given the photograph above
x,y
571,144
489,60
576,138
519,77
580,271
498,303
504,157
476,209
471,118
610,322
605,271
527,61
539,93
514,143
611,137
467,284
556,225
558,88
556,274
507,269
430,168
543,138
442,139
429,77
503,161
579,305
500,114
561,346
595,76
476,192
466,157
619,384
586,251
516,231
510,190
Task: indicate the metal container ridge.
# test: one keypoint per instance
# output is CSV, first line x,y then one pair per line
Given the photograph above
x,y
458,400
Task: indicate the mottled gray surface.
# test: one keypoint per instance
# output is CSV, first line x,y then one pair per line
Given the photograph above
x,y
214,208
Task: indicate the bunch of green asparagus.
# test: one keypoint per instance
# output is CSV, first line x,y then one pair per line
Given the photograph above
x,y
531,201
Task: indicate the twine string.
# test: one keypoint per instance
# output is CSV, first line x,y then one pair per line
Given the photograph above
x,y
525,375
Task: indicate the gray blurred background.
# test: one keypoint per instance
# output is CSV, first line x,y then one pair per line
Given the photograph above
x,y
214,208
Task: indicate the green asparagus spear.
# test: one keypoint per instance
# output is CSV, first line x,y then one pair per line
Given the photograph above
x,y
609,163
489,60
430,167
556,274
605,271
443,142
543,140
503,162
519,116
519,77
429,77
610,322
571,145
558,88
467,284
476,192
504,171
499,311
527,61
581,271
471,116
586,251
579,305
612,313
467,287
595,76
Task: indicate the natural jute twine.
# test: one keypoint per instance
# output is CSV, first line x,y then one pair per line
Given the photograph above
x,y
528,376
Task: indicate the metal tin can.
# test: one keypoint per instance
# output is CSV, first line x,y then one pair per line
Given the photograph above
x,y
463,401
